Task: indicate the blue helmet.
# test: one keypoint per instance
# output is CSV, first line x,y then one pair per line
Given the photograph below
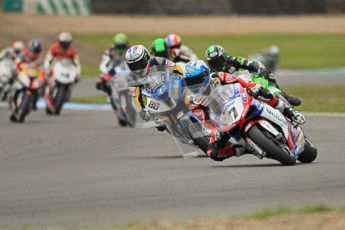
x,y
197,76
35,46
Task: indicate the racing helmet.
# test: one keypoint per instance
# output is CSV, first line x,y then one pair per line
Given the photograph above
x,y
120,42
159,48
18,46
216,57
35,46
173,41
137,57
274,50
65,40
197,76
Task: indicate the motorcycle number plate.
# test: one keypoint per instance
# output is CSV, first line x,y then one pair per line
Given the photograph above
x,y
231,112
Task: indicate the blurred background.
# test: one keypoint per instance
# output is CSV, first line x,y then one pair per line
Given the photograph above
x,y
175,7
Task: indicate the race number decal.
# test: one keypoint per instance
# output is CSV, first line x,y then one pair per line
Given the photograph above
x,y
234,111
153,105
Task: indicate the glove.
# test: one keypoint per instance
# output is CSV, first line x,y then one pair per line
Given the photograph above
x,y
99,83
254,91
267,74
145,115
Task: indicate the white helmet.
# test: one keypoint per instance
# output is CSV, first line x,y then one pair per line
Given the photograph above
x,y
65,39
18,46
137,57
274,50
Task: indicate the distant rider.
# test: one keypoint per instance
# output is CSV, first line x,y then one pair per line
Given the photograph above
x,y
12,53
28,56
219,60
111,58
201,84
61,49
179,52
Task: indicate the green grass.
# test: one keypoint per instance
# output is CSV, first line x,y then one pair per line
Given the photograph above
x,y
90,71
314,98
97,99
269,213
320,99
297,50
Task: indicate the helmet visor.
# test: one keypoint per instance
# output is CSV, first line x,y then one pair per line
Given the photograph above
x,y
198,83
217,63
65,45
138,65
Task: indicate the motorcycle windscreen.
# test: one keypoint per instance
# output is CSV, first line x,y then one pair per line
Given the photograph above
x,y
226,105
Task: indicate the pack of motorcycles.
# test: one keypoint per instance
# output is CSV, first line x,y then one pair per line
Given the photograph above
x,y
252,126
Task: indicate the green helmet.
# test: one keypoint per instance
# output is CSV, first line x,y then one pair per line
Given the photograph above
x,y
120,42
159,48
216,57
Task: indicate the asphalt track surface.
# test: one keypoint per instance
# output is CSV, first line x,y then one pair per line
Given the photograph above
x,y
81,169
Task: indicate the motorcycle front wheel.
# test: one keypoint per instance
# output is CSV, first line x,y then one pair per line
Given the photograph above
x,y
24,108
59,99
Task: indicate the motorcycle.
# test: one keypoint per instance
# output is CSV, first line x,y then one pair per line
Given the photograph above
x,y
64,75
167,97
257,128
29,81
120,98
7,75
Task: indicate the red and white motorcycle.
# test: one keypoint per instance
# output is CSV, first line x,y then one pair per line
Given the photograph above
x,y
258,128
26,91
64,77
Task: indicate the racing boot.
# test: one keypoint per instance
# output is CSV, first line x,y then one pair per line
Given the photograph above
x,y
296,117
220,154
13,117
294,101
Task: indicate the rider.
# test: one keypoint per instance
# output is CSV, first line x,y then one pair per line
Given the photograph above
x,y
12,52
201,84
139,59
179,52
219,60
29,55
61,49
111,58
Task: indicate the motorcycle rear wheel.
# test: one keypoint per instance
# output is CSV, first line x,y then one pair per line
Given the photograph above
x,y
268,144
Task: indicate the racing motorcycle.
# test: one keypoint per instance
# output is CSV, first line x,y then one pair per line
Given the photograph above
x,y
64,75
257,128
29,81
120,98
7,75
167,97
